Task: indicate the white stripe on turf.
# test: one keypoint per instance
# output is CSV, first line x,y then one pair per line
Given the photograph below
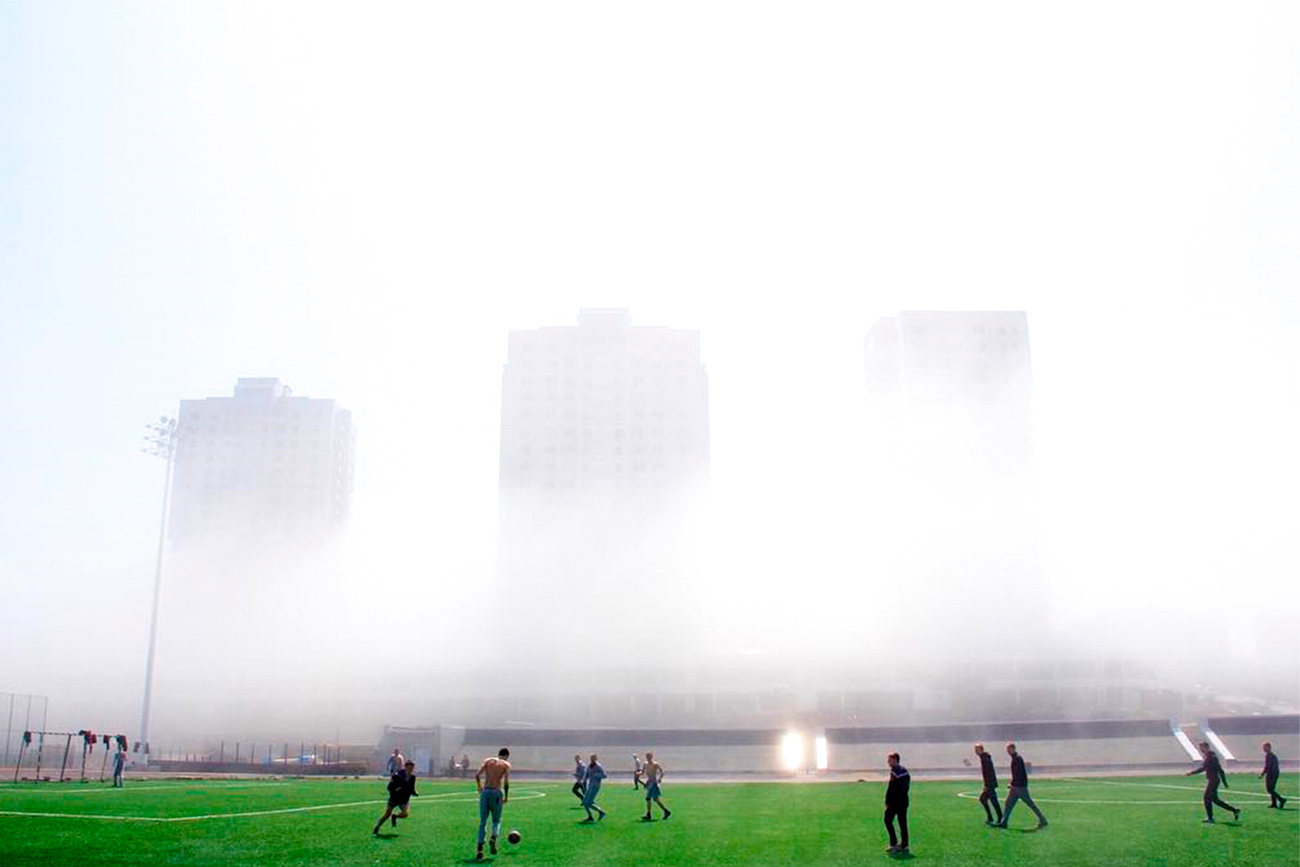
x,y
97,789
445,798
1158,786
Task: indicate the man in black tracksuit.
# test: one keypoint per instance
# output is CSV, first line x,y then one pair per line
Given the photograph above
x,y
990,793
1270,774
1214,775
896,800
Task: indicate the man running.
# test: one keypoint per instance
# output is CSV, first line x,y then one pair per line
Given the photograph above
x,y
493,782
579,774
654,773
990,793
637,770
1019,790
401,786
1271,772
591,787
1214,775
896,802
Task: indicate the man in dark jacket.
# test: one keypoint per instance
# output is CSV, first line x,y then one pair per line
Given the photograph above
x,y
1270,774
1214,775
1019,790
401,786
896,800
990,793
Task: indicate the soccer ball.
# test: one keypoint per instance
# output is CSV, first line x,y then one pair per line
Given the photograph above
x,y
514,837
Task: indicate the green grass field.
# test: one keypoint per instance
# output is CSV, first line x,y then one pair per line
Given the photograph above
x,y
1119,821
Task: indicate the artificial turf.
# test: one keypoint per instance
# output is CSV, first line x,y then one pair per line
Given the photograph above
x,y
1120,821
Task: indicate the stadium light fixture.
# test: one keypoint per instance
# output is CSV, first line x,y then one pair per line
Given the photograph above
x,y
822,752
160,442
792,751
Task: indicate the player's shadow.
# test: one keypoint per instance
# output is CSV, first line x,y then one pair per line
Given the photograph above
x,y
901,856
385,836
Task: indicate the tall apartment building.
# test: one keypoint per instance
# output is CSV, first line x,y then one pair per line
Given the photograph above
x,y
261,465
604,437
952,523
955,385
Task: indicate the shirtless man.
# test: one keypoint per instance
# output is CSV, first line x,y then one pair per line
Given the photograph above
x,y
493,782
653,772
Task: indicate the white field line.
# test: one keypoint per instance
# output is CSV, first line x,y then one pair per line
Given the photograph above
x,y
974,795
106,788
1231,791
445,797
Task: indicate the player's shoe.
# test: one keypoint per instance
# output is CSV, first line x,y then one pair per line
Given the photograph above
x,y
602,814
587,821
667,813
647,818
1281,803
1042,824
901,850
492,845
1236,815
393,819
1207,821
478,856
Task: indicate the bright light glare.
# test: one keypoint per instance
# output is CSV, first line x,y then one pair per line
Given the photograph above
x,y
822,753
792,751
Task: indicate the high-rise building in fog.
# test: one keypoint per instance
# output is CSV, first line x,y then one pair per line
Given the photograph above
x,y
956,385
604,436
261,465
951,528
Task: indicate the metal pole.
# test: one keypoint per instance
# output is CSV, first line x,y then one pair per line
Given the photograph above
x,y
67,748
9,729
157,589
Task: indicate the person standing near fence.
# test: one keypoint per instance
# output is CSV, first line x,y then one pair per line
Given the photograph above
x,y
1272,771
119,769
1019,790
1214,777
990,793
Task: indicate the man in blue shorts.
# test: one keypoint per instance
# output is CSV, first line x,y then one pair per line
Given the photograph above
x,y
653,773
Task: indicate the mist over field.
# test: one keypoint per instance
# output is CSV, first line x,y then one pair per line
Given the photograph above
x,y
370,204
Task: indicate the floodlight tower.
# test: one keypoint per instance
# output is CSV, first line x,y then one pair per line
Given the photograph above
x,y
160,442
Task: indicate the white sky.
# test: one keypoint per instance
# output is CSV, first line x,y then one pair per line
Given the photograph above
x,y
362,200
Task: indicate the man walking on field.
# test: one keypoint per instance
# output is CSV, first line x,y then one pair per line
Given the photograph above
x,y
896,802
654,772
1214,776
493,782
1270,774
990,793
1019,790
